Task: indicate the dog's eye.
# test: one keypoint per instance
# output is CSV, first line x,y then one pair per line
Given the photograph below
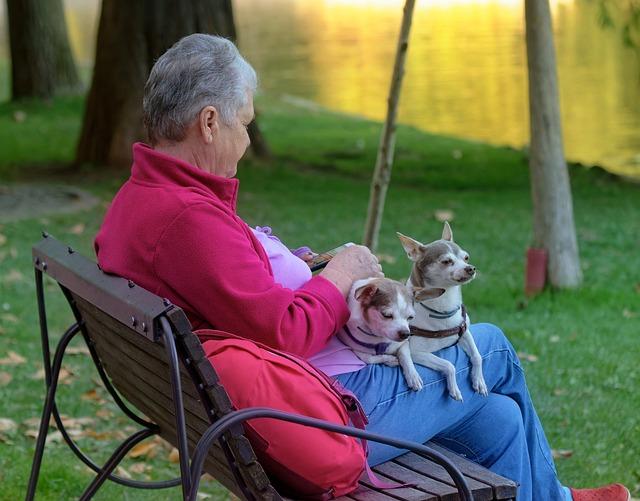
x,y
410,318
466,258
387,315
447,262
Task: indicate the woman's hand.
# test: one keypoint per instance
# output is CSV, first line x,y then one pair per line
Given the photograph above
x,y
353,263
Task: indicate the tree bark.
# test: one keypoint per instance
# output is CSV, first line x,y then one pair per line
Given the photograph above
x,y
41,59
131,36
384,160
553,224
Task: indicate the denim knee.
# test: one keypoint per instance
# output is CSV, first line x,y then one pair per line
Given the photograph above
x,y
490,337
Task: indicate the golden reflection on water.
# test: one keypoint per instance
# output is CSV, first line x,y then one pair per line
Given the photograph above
x,y
466,68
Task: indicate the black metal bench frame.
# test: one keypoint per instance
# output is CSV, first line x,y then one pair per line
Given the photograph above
x,y
150,318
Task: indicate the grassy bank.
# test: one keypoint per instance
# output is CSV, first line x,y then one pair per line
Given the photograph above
x,y
580,347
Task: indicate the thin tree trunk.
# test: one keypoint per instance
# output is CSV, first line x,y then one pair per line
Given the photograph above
x,y
41,59
553,224
384,160
131,36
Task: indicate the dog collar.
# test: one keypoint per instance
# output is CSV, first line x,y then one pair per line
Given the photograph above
x,y
378,348
454,331
440,314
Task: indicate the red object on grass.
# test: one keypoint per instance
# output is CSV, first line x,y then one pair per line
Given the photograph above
x,y
536,273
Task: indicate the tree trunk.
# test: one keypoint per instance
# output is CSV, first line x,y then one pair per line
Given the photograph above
x,y
41,59
131,36
384,160
553,225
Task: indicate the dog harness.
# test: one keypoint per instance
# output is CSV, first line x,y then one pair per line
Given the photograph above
x,y
377,348
454,331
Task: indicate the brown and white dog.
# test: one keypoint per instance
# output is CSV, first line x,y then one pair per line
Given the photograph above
x,y
441,319
378,328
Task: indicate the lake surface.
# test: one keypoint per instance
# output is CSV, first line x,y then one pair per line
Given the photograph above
x,y
466,66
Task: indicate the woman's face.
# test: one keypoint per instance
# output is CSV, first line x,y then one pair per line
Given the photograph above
x,y
231,141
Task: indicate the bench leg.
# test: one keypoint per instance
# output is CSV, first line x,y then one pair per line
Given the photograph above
x,y
48,407
114,460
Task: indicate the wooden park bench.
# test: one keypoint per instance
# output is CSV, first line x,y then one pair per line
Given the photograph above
x,y
144,350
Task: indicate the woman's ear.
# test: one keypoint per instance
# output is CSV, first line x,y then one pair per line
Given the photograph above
x,y
208,120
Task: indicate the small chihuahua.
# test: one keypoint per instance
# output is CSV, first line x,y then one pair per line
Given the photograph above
x,y
378,328
439,269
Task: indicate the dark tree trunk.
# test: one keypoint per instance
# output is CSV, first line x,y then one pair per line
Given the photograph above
x,y
41,60
131,36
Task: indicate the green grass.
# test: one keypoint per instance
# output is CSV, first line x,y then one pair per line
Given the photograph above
x,y
315,192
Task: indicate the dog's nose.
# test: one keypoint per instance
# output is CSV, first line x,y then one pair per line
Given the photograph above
x,y
470,270
404,333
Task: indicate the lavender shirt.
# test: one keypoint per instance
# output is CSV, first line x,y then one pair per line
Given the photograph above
x,y
292,272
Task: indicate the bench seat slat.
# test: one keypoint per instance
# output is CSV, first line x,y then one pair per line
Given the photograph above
x,y
481,490
441,490
502,488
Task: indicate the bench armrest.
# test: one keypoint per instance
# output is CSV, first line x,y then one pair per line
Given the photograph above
x,y
217,429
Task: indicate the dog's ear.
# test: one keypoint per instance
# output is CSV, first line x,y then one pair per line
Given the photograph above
x,y
447,234
412,247
365,292
420,293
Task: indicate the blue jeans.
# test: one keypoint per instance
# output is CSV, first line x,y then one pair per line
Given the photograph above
x,y
501,432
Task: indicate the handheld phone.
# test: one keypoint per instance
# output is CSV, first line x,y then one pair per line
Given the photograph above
x,y
320,261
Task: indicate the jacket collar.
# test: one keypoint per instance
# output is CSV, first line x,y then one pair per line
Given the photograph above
x,y
151,166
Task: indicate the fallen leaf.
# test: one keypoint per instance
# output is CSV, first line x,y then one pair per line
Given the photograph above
x,y
104,413
628,313
8,425
559,392
637,287
386,258
139,467
52,436
443,215
19,116
38,375
143,449
2,330
527,356
123,473
90,395
9,317
12,277
77,229
554,339
5,378
203,495
77,350
456,154
3,239
65,376
174,456
5,440
561,453
12,359
99,435
34,422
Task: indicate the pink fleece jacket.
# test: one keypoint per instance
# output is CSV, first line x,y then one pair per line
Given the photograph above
x,y
173,229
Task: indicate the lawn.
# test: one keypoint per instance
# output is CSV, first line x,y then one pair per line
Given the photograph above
x,y
580,348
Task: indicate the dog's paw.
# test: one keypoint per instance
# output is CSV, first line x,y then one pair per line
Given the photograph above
x,y
414,381
455,393
391,360
480,387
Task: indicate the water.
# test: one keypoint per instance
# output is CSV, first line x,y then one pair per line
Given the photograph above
x,y
466,67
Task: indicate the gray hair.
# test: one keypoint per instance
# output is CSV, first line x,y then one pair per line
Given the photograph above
x,y
198,71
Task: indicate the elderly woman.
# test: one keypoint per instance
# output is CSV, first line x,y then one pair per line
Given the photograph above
x,y
173,229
